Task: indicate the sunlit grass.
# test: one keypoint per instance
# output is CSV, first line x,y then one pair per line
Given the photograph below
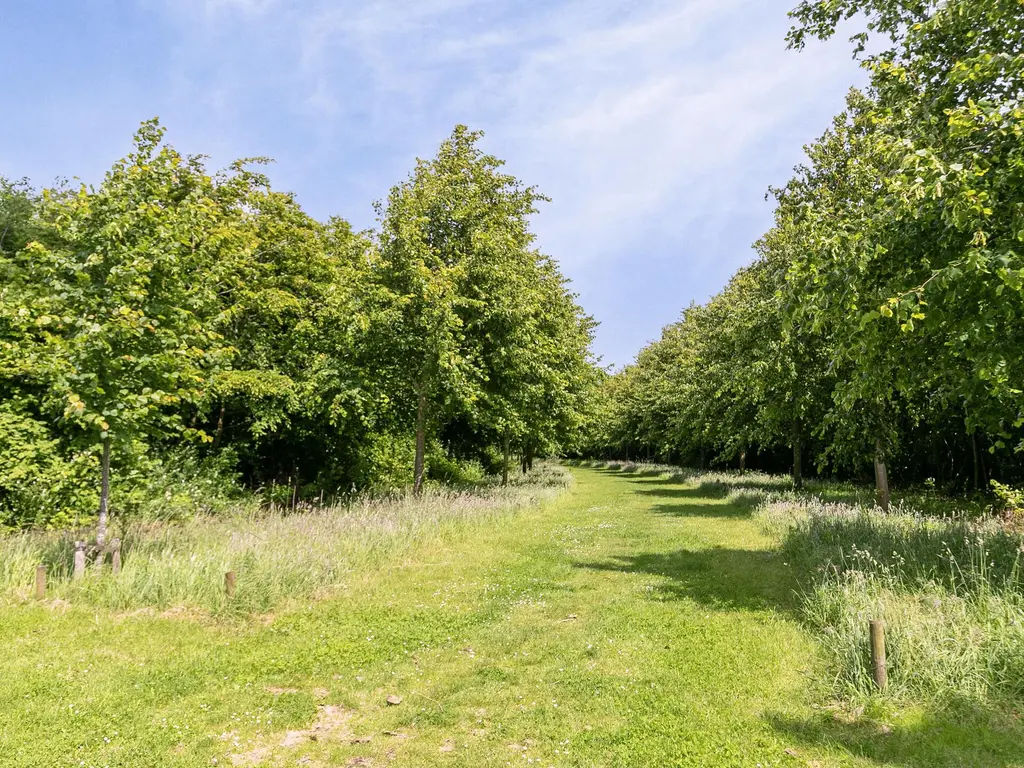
x,y
635,620
950,590
945,577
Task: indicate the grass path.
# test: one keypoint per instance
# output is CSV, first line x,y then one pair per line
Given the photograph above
x,y
633,622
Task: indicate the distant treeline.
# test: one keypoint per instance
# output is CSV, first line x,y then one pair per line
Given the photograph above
x,y
172,331
882,322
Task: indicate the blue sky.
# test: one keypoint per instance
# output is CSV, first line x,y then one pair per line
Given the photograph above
x,y
656,126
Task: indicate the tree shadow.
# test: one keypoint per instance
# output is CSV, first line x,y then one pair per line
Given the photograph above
x,y
679,493
953,734
746,579
656,479
705,511
633,471
708,488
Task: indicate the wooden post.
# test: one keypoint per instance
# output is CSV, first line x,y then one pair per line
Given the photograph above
x,y
40,582
79,560
229,584
505,448
421,444
878,664
101,527
115,557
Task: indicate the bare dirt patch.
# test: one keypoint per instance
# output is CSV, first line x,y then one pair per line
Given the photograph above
x,y
331,725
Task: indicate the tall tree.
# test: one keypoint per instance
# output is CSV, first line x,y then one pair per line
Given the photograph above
x,y
447,236
121,291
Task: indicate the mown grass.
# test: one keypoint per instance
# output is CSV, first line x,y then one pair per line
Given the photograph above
x,y
947,581
634,621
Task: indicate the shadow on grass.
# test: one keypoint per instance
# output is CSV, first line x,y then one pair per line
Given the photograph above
x,y
669,492
719,578
955,735
630,471
655,480
705,511
694,501
682,485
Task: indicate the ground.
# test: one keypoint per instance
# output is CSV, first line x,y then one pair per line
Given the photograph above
x,y
631,622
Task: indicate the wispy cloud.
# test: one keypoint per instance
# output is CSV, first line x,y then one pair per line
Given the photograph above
x,y
655,125
609,102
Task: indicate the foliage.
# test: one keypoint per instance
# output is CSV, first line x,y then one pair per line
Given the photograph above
x,y
1010,499
172,305
479,326
880,322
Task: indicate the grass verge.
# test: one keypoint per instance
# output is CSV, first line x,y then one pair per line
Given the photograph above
x,y
277,555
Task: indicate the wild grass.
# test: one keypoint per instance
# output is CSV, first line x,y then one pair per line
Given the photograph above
x,y
277,555
631,622
950,590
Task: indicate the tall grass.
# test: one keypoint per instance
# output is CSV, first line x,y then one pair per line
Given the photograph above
x,y
950,590
277,555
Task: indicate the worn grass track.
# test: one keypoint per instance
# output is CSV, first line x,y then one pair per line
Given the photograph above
x,y
632,622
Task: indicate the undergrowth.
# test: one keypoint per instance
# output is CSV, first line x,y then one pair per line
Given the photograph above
x,y
950,591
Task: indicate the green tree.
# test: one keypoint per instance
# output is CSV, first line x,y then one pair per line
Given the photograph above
x,y
911,213
115,300
448,236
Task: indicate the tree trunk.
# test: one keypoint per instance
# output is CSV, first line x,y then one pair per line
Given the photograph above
x,y
504,464
798,457
101,527
743,460
529,455
981,461
220,427
881,478
974,453
421,445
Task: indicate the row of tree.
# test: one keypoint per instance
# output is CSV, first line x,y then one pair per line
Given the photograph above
x,y
172,306
883,319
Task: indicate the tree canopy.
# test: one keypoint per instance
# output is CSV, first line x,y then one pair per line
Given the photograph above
x,y
881,320
172,310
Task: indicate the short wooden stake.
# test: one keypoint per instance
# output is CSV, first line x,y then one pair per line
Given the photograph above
x,y
229,584
115,557
878,664
40,582
79,560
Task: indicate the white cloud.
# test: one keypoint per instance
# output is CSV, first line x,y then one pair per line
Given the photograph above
x,y
622,111
655,125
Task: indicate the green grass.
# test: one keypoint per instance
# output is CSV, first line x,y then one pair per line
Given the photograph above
x,y
636,620
951,591
278,555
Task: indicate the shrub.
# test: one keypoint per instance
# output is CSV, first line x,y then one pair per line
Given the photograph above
x,y
39,485
1011,500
